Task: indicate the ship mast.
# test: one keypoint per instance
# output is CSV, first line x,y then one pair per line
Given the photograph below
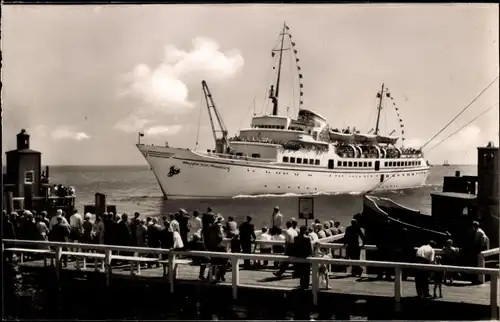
x,y
221,145
273,95
381,95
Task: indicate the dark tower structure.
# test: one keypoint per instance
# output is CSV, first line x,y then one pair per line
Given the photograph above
x,y
23,167
487,194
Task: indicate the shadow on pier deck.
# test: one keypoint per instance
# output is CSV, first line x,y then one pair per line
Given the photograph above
x,y
260,296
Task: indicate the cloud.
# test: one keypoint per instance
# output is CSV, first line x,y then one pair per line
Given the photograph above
x,y
132,123
67,133
165,130
164,89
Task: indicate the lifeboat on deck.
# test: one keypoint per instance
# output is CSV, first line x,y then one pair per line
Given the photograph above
x,y
365,138
339,136
387,139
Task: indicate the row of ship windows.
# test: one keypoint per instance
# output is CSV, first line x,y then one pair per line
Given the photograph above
x,y
355,164
401,163
301,161
354,175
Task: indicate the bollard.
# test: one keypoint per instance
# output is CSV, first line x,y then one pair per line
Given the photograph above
x,y
235,268
315,283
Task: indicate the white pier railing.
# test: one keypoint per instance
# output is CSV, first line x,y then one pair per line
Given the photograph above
x,y
235,259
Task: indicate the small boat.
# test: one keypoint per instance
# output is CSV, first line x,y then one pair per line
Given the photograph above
x,y
387,139
365,138
382,213
339,136
446,164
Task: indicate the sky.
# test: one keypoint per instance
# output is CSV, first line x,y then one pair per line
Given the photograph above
x,y
84,80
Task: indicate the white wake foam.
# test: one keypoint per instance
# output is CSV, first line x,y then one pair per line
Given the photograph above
x,y
290,194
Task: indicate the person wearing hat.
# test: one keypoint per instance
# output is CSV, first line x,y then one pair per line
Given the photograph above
x,y
276,220
54,220
87,229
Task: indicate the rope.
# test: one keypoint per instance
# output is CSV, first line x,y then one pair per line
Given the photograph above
x,y
463,110
251,106
199,121
452,134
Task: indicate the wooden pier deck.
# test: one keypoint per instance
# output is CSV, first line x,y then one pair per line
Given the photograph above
x,y
340,283
378,299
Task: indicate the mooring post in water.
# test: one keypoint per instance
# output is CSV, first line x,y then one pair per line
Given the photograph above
x,y
314,282
397,288
171,271
107,266
235,269
58,256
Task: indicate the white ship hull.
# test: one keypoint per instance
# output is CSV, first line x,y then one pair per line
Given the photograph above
x,y
186,174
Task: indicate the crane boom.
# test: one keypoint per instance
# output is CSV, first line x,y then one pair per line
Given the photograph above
x,y
222,144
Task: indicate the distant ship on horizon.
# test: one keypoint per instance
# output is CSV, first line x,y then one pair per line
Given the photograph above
x,y
445,163
279,154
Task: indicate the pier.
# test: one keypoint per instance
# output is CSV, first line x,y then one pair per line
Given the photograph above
x,y
178,275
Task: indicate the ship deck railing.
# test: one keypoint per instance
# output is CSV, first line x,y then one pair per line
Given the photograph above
x,y
236,258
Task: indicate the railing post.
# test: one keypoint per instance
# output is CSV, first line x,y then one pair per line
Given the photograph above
x,y
362,256
171,270
235,268
107,266
494,296
314,282
481,262
58,257
397,288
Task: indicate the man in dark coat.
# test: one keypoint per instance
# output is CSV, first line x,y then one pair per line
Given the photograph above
x,y
124,233
60,233
197,244
247,235
134,222
108,229
303,249
352,236
183,219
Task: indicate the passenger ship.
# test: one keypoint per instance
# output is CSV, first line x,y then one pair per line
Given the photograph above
x,y
281,155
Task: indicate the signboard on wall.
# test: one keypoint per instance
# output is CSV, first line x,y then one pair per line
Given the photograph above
x,y
306,208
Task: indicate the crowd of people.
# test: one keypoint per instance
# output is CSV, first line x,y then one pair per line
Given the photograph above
x,y
180,230
211,232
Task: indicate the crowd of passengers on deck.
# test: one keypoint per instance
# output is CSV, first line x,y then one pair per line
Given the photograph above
x,y
287,144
